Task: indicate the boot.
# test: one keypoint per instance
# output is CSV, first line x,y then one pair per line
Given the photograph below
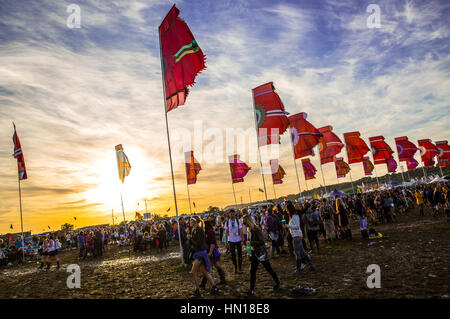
x,y
48,265
349,233
221,275
57,265
299,267
42,265
203,283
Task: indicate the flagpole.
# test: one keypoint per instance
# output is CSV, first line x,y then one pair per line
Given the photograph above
x,y
274,192
376,174
296,170
323,178
189,197
21,220
351,180
234,194
249,195
123,210
168,141
259,151
113,216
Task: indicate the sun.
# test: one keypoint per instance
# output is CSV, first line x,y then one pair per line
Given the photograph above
x,y
107,189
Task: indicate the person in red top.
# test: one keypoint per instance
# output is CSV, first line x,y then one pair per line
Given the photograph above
x,y
213,253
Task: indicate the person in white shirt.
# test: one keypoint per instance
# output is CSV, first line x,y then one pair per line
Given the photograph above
x,y
234,239
297,235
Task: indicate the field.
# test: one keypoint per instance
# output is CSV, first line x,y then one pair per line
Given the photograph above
x,y
414,256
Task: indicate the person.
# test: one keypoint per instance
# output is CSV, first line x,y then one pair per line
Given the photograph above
x,y
362,214
297,235
272,225
52,252
234,239
184,240
90,244
44,252
213,253
82,245
313,226
342,213
327,214
68,241
259,254
200,256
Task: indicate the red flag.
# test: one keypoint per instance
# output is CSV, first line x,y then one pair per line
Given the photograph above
x,y
333,145
427,151
182,58
192,167
444,153
391,165
238,169
356,147
368,166
18,154
406,151
342,167
380,149
304,135
277,172
271,119
308,169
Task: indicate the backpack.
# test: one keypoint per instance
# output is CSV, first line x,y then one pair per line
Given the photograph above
x,y
327,213
313,219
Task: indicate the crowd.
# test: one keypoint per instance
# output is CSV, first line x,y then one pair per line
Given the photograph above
x,y
290,228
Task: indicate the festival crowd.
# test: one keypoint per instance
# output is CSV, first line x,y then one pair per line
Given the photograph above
x,y
290,228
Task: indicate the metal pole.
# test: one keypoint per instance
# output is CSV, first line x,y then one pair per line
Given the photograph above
x,y
295,164
123,210
113,216
189,197
275,193
21,220
168,142
259,151
249,195
234,194
351,180
323,178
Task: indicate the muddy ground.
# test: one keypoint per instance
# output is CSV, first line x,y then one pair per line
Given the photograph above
x,y
414,257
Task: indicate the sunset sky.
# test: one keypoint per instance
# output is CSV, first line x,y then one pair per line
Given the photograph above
x,y
76,93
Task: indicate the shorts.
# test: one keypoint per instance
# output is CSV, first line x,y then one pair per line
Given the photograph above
x,y
203,257
53,253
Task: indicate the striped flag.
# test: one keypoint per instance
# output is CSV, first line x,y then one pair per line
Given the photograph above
x,y
122,163
18,154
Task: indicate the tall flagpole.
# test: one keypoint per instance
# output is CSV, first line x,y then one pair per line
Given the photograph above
x,y
351,180
123,210
249,195
112,216
295,164
189,197
234,193
259,151
323,178
168,142
274,192
376,174
21,220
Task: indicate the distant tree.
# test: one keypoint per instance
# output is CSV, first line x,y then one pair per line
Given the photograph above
x,y
212,209
66,227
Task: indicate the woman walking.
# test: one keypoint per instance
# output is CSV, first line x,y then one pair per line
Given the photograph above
x,y
259,254
342,212
213,253
297,235
200,257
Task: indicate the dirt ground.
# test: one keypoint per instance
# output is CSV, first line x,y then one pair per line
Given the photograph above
x,y
414,257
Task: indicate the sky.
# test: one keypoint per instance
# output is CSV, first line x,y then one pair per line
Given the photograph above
x,y
75,93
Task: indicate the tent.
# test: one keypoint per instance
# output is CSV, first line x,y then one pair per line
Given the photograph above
x,y
335,193
437,179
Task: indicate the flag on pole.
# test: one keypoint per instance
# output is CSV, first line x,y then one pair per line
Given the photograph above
x,y
391,164
368,166
342,168
427,152
194,204
308,169
444,153
304,135
48,227
11,226
238,169
18,154
333,144
261,190
356,147
381,151
192,167
168,209
182,58
138,216
271,119
406,151
122,163
277,172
